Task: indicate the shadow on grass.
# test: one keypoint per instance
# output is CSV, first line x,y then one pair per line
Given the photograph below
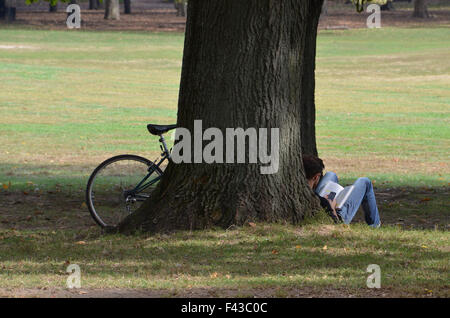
x,y
52,197
267,255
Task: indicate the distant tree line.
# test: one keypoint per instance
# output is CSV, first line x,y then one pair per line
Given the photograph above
x,y
111,7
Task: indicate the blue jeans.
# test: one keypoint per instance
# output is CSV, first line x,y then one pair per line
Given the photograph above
x,y
362,194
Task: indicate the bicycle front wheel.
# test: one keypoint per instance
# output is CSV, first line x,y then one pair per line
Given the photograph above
x,y
119,186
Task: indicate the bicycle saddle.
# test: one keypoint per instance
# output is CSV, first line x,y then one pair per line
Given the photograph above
x,y
159,129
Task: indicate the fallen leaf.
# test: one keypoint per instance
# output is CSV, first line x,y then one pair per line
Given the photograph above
x,y
83,205
298,247
425,199
82,292
424,246
325,248
274,252
80,242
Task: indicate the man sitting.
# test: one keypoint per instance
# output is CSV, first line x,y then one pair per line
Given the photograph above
x,y
362,194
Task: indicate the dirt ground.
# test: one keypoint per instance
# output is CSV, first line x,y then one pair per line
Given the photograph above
x,y
409,208
155,15
199,293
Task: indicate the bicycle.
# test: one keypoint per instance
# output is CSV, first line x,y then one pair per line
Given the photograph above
x,y
120,184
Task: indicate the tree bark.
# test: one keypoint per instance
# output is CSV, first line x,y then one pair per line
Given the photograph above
x,y
112,10
420,9
127,6
244,65
2,9
307,98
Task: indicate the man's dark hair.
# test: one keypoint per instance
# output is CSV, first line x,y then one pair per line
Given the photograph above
x,y
313,165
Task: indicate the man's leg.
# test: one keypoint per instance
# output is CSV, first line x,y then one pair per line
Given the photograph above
x,y
363,195
329,176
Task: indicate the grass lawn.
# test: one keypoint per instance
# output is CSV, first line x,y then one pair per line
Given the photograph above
x,y
69,100
275,260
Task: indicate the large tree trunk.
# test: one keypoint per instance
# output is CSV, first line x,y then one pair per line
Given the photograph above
x,y
420,9
127,6
112,10
244,65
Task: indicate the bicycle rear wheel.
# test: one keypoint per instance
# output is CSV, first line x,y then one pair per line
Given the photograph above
x,y
119,186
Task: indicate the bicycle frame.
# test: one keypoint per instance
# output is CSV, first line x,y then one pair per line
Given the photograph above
x,y
142,185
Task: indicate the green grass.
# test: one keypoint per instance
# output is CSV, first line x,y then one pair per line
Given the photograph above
x,y
265,256
71,99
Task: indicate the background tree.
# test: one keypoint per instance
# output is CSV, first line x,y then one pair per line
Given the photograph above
x,y
420,9
181,7
53,6
2,9
127,6
387,6
324,8
112,10
93,4
8,10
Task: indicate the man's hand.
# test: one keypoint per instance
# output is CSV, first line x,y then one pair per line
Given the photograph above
x,y
332,204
